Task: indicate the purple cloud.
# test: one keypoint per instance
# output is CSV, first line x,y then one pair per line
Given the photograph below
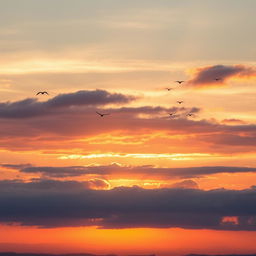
x,y
63,102
63,203
219,74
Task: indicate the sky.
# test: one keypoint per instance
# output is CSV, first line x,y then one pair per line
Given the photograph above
x,y
171,169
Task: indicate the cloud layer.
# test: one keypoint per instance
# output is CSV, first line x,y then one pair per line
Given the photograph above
x,y
33,108
58,203
128,171
55,123
69,122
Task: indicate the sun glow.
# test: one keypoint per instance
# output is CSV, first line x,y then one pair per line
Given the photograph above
x,y
175,157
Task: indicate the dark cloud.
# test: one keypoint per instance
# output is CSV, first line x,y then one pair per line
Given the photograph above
x,y
189,172
127,171
88,98
207,75
56,203
32,107
188,184
97,184
62,172
52,186
15,166
155,110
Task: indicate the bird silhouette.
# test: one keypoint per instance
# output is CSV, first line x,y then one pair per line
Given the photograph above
x,y
43,93
172,114
217,79
168,89
179,102
101,114
190,114
179,82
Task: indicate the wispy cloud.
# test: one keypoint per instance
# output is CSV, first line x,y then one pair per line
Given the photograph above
x,y
128,171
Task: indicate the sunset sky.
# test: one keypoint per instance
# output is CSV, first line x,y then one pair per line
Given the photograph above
x,y
138,180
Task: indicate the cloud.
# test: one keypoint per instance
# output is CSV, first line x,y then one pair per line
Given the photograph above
x,y
62,203
62,102
62,172
115,170
233,139
73,122
186,184
52,186
206,76
98,184
15,166
58,127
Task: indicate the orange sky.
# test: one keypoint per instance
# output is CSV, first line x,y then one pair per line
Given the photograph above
x,y
164,241
119,57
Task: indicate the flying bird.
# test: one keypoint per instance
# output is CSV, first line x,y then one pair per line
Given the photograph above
x,y
190,114
179,102
179,81
101,114
172,114
43,93
168,89
217,79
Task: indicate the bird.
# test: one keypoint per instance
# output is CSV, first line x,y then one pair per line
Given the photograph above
x,y
179,101
172,114
168,89
217,79
100,114
180,82
190,114
42,93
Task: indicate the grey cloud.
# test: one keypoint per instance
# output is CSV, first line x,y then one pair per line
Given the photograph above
x,y
126,171
15,166
33,108
50,186
188,184
207,75
55,203
61,172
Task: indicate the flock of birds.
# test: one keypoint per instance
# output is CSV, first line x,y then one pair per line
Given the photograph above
x,y
180,101
168,89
